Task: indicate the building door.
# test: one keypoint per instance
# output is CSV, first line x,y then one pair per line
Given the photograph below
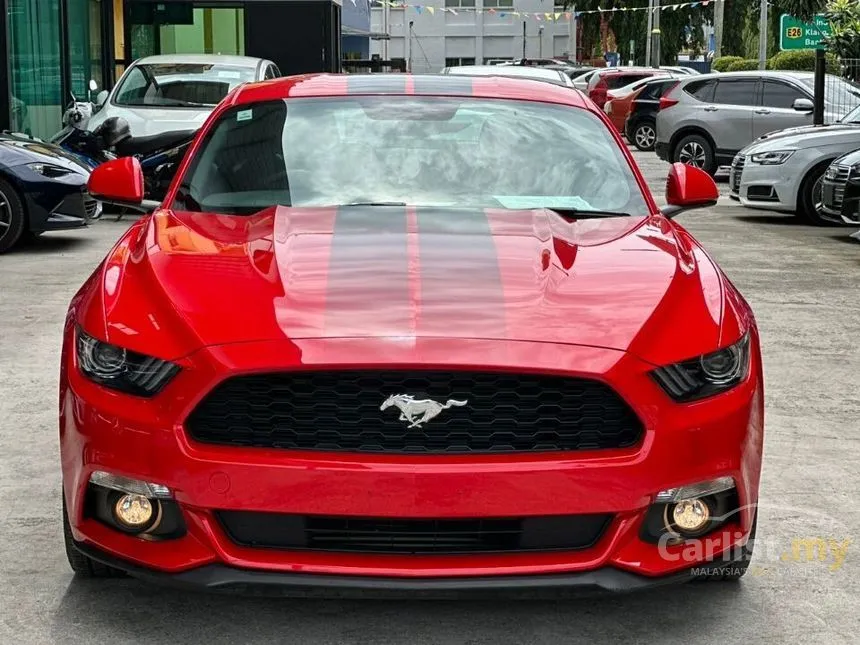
x,y
183,28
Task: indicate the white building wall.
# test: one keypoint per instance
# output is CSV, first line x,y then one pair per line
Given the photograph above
x,y
471,34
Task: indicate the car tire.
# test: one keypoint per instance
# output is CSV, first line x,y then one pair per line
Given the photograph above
x,y
809,195
736,570
13,218
644,136
82,565
696,150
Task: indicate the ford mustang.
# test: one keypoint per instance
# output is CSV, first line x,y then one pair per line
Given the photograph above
x,y
409,332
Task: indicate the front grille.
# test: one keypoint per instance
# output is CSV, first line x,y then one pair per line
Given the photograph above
x,y
412,536
736,173
833,187
91,205
340,412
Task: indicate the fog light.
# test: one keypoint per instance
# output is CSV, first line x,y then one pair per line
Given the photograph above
x,y
691,515
134,512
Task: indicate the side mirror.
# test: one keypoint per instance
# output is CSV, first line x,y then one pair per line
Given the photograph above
x,y
803,105
101,98
688,187
120,182
93,85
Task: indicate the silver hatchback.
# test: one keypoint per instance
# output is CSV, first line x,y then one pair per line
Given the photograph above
x,y
706,120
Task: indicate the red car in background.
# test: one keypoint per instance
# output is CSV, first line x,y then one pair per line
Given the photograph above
x,y
431,374
619,102
613,78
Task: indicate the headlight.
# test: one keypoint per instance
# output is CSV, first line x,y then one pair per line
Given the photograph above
x,y
49,170
706,375
771,158
120,369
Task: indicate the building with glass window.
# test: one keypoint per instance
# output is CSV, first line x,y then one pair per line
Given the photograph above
x,y
470,34
52,48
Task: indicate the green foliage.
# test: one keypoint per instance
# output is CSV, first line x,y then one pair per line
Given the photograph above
x,y
743,65
723,63
844,41
801,60
734,19
802,9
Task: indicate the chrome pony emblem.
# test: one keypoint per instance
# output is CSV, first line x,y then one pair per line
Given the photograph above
x,y
417,413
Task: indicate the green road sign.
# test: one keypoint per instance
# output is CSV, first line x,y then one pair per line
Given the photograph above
x,y
794,34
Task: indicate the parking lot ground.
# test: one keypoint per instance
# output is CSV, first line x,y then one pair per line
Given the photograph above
x,y
803,587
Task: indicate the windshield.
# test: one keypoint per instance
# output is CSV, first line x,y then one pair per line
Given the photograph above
x,y
852,117
840,95
407,150
180,84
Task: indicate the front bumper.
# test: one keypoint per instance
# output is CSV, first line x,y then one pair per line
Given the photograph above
x,y
56,204
773,188
146,440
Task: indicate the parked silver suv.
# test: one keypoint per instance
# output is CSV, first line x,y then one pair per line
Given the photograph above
x,y
706,120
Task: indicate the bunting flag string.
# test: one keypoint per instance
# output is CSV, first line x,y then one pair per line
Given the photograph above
x,y
536,15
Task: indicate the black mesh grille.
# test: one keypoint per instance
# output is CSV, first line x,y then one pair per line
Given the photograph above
x,y
428,536
340,411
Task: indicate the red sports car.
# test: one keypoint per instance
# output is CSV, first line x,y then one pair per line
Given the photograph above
x,y
413,332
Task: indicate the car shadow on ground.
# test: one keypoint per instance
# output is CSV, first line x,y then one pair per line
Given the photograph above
x,y
45,244
786,219
96,609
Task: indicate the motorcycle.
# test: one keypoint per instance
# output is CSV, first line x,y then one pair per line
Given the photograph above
x,y
159,155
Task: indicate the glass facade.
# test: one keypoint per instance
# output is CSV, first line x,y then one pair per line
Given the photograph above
x,y
35,78
86,49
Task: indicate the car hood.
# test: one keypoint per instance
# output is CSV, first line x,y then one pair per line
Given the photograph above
x,y
145,122
637,284
17,151
807,136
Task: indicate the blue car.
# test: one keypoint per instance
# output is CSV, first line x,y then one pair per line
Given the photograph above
x,y
42,188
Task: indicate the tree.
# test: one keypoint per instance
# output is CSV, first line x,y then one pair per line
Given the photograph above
x,y
802,9
680,28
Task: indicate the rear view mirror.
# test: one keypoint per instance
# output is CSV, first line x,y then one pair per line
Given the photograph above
x,y
93,85
101,98
688,187
803,105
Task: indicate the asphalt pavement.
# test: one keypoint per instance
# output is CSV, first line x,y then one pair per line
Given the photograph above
x,y
803,587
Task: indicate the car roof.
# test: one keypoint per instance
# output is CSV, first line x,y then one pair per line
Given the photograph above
x,y
758,73
200,59
526,71
332,85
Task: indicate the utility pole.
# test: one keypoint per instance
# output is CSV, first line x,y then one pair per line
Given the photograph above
x,y
524,39
571,35
655,48
409,48
648,37
762,35
718,28
386,30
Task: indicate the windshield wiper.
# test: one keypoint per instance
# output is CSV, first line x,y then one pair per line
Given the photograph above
x,y
582,213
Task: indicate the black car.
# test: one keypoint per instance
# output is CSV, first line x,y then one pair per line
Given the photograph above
x,y
640,128
42,188
840,190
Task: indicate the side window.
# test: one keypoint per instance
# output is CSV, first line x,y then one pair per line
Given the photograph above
x,y
271,72
735,92
654,91
780,95
702,90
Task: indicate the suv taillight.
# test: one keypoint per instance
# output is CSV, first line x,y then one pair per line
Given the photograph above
x,y
666,101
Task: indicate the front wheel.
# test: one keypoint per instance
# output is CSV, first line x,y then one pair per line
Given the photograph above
x,y
644,136
809,196
695,150
13,219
